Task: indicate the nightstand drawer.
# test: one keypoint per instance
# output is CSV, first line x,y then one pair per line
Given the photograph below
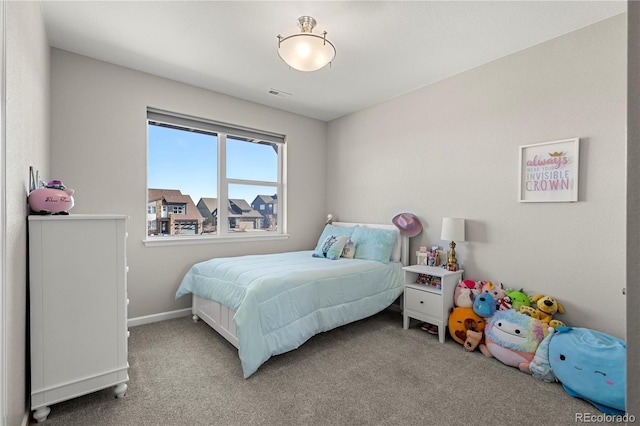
x,y
423,301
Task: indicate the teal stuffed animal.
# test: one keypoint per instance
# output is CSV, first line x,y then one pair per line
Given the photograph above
x,y
540,366
591,365
484,305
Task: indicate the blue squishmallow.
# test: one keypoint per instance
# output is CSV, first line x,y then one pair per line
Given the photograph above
x,y
590,365
484,305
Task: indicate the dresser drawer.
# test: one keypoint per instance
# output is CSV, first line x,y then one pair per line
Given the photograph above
x,y
423,301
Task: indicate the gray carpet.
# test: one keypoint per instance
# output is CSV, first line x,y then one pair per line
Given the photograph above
x,y
371,372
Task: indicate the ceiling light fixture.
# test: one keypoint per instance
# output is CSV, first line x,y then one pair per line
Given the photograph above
x,y
306,51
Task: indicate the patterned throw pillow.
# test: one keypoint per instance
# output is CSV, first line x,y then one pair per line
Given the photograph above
x,y
332,247
349,249
333,230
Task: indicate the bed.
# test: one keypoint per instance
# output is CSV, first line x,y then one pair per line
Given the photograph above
x,y
269,304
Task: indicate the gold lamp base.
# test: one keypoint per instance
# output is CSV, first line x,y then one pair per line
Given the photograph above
x,y
452,263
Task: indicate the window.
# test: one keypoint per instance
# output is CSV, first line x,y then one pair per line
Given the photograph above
x,y
178,209
197,166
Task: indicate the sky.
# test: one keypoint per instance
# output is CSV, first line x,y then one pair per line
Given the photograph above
x,y
187,161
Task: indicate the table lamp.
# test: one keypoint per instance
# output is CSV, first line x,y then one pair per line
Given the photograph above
x,y
452,230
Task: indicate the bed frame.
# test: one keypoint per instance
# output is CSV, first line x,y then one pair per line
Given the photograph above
x,y
220,318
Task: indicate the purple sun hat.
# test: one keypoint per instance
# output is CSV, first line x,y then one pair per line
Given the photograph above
x,y
408,224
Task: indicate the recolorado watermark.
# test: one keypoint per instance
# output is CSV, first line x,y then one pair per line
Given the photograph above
x,y
604,418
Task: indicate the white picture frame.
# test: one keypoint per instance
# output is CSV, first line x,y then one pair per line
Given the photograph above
x,y
422,259
549,171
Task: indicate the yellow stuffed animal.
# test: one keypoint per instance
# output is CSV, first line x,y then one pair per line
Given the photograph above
x,y
554,323
528,310
547,306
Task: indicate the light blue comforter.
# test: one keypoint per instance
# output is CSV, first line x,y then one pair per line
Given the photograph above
x,y
281,300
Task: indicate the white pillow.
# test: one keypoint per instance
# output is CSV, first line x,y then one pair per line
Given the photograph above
x,y
349,249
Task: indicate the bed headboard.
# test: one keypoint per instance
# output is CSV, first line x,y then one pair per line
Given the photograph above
x,y
401,248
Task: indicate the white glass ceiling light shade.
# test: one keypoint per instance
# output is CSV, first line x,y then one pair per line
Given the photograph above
x,y
306,51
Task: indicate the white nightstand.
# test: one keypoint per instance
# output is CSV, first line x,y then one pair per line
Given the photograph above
x,y
427,303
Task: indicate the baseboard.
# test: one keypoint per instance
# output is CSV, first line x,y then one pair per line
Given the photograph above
x,y
148,319
26,419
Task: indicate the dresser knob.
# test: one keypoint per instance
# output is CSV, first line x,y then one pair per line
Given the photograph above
x,y
421,301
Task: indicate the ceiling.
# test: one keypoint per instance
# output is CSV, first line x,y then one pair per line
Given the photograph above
x,y
384,48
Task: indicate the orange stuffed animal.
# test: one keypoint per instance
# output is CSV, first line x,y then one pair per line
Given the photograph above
x,y
462,319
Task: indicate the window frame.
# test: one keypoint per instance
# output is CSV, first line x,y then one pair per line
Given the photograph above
x,y
222,131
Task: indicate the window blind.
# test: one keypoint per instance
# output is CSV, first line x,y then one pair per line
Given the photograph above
x,y
209,126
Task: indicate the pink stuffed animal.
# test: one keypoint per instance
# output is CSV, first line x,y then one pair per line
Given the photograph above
x,y
496,292
465,293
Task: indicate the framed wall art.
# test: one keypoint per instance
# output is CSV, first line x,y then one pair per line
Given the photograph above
x,y
549,171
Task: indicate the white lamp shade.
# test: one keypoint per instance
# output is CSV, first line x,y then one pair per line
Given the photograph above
x,y
306,52
452,229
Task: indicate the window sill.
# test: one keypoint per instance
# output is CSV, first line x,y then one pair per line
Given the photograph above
x,y
194,240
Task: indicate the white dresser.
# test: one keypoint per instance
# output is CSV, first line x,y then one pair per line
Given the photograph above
x,y
429,303
78,307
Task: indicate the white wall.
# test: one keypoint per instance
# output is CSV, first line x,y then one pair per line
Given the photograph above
x,y
633,209
451,149
98,136
27,143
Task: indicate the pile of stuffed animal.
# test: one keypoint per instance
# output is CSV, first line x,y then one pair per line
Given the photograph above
x,y
521,331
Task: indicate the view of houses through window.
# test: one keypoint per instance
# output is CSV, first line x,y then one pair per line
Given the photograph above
x,y
209,179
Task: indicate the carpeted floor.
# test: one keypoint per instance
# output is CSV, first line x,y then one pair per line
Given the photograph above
x,y
371,372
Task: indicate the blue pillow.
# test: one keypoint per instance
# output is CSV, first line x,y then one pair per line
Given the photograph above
x,y
374,243
332,247
336,231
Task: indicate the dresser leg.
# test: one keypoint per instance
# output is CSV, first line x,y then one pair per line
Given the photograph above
x,y
41,414
441,333
120,390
